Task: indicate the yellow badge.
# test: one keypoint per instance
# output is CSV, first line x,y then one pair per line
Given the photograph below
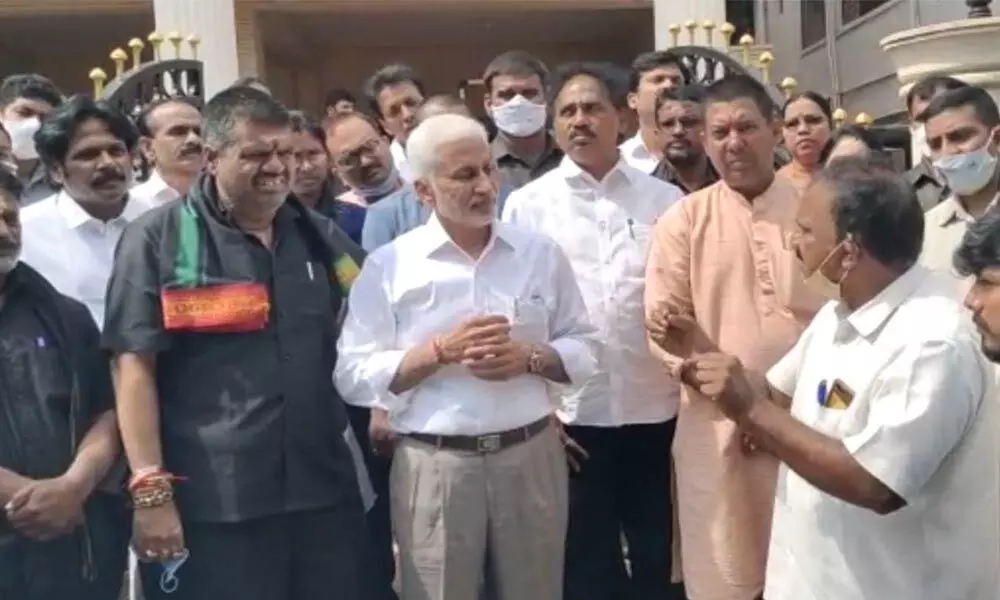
x,y
840,396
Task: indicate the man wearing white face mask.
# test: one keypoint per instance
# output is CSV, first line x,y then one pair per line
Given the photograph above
x,y
963,131
515,100
25,99
929,184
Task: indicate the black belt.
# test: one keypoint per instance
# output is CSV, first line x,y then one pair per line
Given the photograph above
x,y
483,444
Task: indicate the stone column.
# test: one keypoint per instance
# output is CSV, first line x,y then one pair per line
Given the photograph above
x,y
966,49
669,12
215,22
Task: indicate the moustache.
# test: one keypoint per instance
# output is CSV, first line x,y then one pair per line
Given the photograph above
x,y
582,131
108,176
190,149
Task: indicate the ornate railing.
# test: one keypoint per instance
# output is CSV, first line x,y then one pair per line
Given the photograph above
x,y
132,89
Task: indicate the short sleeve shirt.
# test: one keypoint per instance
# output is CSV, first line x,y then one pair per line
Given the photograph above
x,y
251,418
902,383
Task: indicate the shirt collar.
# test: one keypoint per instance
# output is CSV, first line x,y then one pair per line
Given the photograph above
x,y
157,188
574,174
74,216
501,151
952,211
869,318
437,238
636,148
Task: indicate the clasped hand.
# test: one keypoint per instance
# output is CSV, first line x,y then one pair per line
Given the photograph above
x,y
46,509
721,378
484,346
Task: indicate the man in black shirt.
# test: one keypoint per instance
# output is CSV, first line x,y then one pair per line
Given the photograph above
x,y
680,115
221,316
60,537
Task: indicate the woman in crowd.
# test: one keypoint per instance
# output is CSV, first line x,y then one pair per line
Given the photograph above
x,y
807,120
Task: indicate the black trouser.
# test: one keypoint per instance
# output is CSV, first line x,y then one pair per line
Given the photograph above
x,y
379,521
308,555
54,570
623,488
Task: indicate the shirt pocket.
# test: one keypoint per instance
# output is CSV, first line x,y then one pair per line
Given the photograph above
x,y
49,373
531,320
638,238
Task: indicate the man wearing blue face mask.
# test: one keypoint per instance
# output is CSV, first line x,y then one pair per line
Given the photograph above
x,y
515,100
963,132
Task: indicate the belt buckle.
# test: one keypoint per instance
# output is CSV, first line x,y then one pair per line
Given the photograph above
x,y
488,443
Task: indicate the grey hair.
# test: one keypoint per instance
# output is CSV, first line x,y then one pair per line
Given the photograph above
x,y
426,140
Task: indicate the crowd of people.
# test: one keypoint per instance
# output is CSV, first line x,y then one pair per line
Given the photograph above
x,y
625,337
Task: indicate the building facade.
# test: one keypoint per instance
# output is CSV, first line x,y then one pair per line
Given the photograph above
x,y
832,46
301,48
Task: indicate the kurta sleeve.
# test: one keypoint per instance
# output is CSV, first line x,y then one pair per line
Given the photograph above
x,y
668,270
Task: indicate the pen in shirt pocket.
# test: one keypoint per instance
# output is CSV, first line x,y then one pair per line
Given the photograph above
x,y
631,231
309,270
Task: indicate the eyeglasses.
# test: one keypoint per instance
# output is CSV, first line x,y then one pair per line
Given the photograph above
x,y
352,159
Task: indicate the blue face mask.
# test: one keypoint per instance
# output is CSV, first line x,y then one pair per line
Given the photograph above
x,y
168,578
380,190
968,173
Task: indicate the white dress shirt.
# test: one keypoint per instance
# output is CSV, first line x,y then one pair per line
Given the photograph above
x,y
605,228
155,191
73,250
636,154
399,160
422,285
923,421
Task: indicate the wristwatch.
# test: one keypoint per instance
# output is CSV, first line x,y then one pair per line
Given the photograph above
x,y
536,361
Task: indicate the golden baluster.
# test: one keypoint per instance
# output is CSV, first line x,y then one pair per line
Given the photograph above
x,y
727,30
788,85
119,57
839,117
675,33
155,40
745,42
136,45
708,26
175,38
691,26
766,59
193,40
864,120
99,77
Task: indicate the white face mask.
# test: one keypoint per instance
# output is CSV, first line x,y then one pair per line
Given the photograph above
x,y
22,137
968,173
519,117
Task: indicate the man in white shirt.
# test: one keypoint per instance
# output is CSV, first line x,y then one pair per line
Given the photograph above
x,y
601,211
394,93
652,73
963,134
889,482
70,237
170,143
458,328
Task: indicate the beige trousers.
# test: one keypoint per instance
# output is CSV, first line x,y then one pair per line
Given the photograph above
x,y
454,511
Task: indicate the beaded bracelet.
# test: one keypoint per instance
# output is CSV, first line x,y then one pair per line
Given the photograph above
x,y
152,498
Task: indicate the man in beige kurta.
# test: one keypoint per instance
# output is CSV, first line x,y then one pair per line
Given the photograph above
x,y
720,257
